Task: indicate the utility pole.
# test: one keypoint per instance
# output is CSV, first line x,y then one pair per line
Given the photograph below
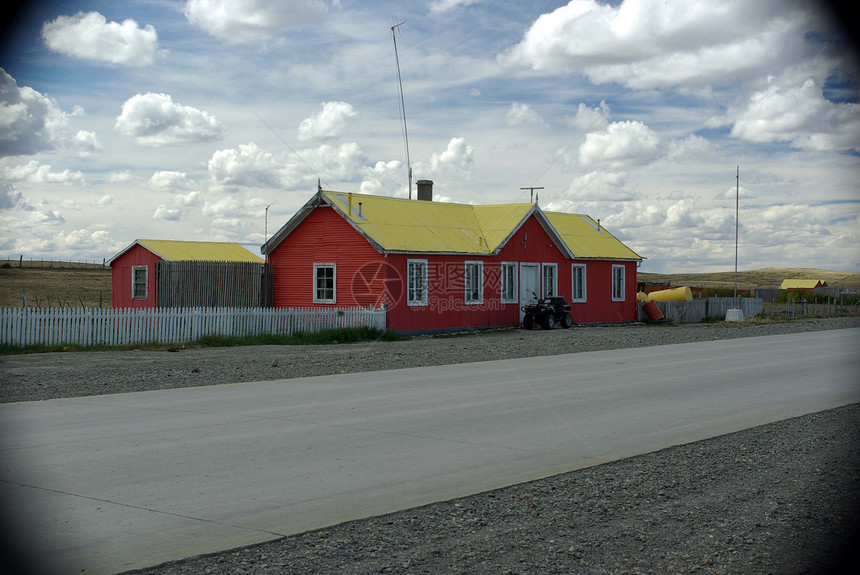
x,y
737,203
532,188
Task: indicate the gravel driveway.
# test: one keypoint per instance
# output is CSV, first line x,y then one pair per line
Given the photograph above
x,y
780,498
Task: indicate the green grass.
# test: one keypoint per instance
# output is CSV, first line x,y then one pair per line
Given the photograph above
x,y
325,337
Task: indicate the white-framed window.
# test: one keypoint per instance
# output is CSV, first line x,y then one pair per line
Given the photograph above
x,y
325,283
550,280
416,282
509,282
139,282
617,283
577,281
474,276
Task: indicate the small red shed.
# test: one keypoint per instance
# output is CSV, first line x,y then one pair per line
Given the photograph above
x,y
442,266
168,273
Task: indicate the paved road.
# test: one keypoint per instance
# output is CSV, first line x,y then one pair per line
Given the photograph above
x,y
112,483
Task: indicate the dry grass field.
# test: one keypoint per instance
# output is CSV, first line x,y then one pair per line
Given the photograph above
x,y
54,287
765,277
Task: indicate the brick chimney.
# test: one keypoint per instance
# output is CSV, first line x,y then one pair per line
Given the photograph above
x,y
425,190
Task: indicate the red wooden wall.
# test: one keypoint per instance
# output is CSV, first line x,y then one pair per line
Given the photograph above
x,y
366,277
325,237
121,278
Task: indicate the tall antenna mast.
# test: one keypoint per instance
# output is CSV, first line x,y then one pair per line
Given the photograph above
x,y
402,104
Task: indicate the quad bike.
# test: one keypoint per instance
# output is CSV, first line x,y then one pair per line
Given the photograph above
x,y
548,312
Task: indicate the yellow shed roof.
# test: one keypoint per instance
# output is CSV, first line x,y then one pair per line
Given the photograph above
x,y
587,240
171,250
800,284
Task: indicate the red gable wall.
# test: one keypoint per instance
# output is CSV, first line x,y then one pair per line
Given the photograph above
x,y
325,237
121,278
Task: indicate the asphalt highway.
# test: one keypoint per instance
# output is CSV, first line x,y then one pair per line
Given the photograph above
x,y
111,483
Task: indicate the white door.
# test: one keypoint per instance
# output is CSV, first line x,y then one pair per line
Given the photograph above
x,y
529,284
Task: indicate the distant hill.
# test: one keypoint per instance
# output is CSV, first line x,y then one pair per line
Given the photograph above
x,y
759,278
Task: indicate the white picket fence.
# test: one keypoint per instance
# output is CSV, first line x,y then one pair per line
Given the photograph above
x,y
117,327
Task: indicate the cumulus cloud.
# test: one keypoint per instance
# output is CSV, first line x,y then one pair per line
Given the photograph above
x,y
29,121
238,21
652,43
607,186
693,146
156,120
590,118
178,207
39,173
248,166
104,201
520,114
800,116
620,144
170,181
385,179
90,36
329,123
455,160
87,143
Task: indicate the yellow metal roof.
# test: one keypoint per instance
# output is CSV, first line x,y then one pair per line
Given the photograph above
x,y
171,250
397,224
583,237
800,284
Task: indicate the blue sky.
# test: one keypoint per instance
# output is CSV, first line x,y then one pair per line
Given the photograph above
x,y
184,120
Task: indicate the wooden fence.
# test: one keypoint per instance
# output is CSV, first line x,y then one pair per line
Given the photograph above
x,y
700,309
213,284
116,327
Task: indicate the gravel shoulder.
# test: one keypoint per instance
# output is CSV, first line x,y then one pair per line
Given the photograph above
x,y
780,498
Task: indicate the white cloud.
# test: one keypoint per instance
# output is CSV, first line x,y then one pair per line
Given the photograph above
x,y
247,166
801,116
39,173
329,123
104,201
620,144
520,114
29,122
693,146
440,6
120,177
735,192
650,43
606,186
455,161
90,36
87,143
385,179
170,181
156,120
590,118
238,21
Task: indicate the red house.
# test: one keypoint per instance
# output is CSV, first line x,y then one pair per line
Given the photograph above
x,y
167,273
442,266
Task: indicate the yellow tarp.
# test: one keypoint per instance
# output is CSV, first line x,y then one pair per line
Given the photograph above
x,y
581,235
800,284
171,250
